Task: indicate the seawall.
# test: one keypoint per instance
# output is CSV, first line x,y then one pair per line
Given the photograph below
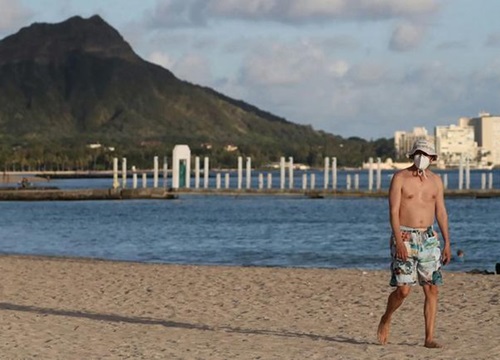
x,y
39,194
46,194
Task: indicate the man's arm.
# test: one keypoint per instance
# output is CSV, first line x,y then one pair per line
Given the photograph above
x,y
394,207
442,220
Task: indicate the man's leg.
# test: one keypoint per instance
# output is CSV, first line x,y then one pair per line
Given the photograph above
x,y
430,310
396,299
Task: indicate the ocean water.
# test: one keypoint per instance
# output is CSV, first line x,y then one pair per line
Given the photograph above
x,y
284,231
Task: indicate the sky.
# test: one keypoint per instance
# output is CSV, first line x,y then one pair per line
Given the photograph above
x,y
363,68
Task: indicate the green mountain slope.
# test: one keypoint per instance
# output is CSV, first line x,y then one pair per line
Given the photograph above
x,y
65,85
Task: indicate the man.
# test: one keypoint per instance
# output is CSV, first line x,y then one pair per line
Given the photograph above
x,y
416,200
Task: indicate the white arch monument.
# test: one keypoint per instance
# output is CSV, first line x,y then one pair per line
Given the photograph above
x,y
181,166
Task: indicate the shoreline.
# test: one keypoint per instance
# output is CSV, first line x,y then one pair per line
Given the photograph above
x,y
153,263
52,307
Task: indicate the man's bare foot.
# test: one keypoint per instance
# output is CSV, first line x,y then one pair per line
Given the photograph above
x,y
383,330
433,345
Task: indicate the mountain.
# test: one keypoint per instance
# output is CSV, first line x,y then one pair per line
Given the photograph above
x,y
65,85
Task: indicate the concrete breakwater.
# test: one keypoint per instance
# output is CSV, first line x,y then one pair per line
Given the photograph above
x,y
320,194
41,194
46,194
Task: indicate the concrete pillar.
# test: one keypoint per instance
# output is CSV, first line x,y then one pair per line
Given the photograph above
x,y
348,182
467,173
290,172
379,174
206,172
445,181
217,181
240,172
304,181
490,181
165,172
261,181
227,180
115,173
327,172
155,172
124,173
356,181
134,177
313,181
269,180
144,180
197,172
461,173
334,173
370,174
483,181
282,173
249,172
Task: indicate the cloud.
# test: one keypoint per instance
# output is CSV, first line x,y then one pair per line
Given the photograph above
x,y
337,68
347,98
13,15
366,99
272,69
178,13
452,45
193,68
161,59
313,10
493,40
278,64
406,37
339,42
293,79
368,73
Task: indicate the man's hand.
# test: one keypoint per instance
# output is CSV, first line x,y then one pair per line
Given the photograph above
x,y
446,255
401,251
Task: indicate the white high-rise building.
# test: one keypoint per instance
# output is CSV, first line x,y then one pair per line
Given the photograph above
x,y
403,141
487,135
455,142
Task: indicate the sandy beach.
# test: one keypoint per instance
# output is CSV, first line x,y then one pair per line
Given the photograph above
x,y
59,308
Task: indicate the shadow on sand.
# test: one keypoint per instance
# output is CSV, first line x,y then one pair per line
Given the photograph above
x,y
175,324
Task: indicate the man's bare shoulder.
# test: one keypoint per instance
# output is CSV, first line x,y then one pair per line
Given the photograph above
x,y
403,173
400,178
432,175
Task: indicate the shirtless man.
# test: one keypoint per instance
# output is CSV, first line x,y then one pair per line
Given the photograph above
x,y
416,200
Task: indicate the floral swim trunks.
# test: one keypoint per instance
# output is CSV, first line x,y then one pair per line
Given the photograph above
x,y
424,258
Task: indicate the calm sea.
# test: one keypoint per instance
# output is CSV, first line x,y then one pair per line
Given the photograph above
x,y
287,231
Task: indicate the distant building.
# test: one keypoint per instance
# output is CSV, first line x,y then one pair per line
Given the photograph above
x,y
99,146
454,142
296,166
476,139
230,148
487,135
403,141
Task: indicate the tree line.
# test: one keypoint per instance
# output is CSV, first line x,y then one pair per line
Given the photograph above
x,y
57,156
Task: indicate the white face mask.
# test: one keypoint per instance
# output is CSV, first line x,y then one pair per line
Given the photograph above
x,y
421,161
